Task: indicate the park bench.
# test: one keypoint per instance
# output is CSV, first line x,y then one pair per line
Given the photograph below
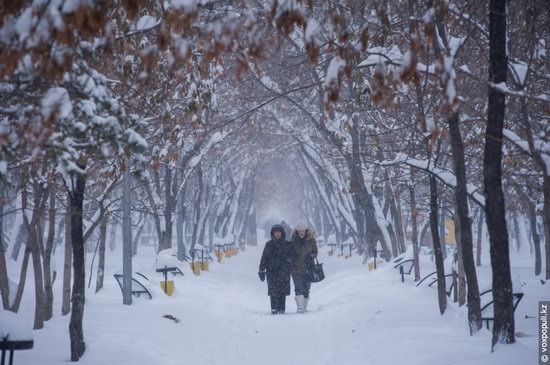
x,y
200,259
398,259
137,287
202,254
332,248
174,270
143,276
185,257
350,245
450,283
230,249
165,270
487,314
11,346
405,268
15,334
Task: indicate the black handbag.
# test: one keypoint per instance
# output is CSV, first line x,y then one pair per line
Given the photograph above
x,y
315,272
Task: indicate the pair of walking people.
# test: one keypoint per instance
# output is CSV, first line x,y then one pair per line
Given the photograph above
x,y
282,259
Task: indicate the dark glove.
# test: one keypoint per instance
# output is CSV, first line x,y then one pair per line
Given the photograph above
x,y
261,274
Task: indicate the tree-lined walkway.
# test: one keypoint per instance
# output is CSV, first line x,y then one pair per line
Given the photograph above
x,y
356,317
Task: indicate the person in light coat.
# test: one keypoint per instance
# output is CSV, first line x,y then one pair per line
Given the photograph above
x,y
305,251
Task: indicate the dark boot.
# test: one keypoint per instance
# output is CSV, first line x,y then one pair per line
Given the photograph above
x,y
274,304
282,305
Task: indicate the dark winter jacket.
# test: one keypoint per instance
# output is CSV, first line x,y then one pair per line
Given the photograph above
x,y
276,261
305,250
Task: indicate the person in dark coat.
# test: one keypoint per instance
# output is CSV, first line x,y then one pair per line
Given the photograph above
x,y
276,262
305,251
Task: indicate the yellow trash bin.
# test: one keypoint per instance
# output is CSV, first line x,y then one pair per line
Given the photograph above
x,y
370,264
169,286
196,267
205,266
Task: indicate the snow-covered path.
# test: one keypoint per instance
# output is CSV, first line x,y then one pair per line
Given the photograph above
x,y
356,317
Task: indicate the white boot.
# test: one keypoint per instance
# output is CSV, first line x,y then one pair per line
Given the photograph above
x,y
306,301
300,300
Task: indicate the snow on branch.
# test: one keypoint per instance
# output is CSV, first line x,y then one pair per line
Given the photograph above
x,y
541,147
446,177
503,88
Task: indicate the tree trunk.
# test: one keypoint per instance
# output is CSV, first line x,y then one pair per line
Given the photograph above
x,y
48,280
76,333
22,279
4,280
112,236
416,248
461,287
546,220
101,262
156,217
20,238
180,224
399,222
38,278
434,228
365,232
168,209
479,238
454,272
443,230
464,223
197,208
127,237
135,243
211,226
59,237
535,233
503,329
32,244
396,229
67,263
204,218
516,229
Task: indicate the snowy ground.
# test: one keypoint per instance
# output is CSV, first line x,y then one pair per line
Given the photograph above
x,y
356,317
